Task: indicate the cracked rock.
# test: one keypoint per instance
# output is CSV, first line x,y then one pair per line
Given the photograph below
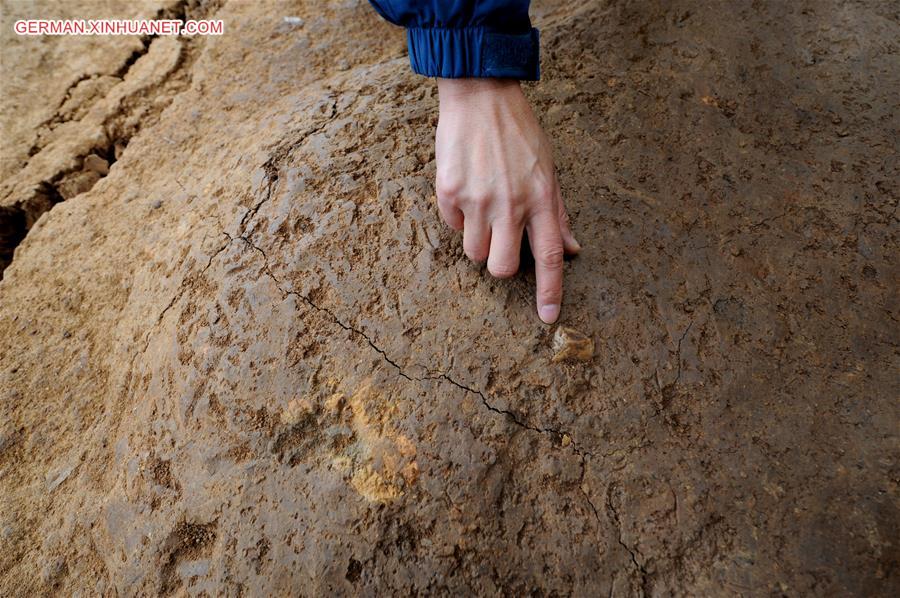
x,y
288,379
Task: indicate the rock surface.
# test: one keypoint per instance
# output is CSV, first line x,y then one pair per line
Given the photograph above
x,y
250,360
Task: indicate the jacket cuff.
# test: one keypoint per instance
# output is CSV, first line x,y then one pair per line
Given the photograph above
x,y
474,52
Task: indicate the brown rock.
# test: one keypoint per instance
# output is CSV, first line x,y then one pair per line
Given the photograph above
x,y
571,345
441,457
96,164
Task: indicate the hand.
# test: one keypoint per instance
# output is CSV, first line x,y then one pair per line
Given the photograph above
x,y
495,177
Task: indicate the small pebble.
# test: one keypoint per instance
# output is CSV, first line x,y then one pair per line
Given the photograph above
x,y
571,345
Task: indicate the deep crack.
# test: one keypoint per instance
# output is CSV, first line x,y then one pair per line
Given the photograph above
x,y
18,217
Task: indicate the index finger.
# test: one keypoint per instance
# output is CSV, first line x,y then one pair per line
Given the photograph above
x,y
547,247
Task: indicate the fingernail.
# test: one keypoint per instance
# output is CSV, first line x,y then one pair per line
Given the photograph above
x,y
548,313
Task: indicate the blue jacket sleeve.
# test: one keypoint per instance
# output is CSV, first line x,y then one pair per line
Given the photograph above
x,y
467,38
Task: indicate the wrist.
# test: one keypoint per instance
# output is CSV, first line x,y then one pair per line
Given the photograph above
x,y
452,91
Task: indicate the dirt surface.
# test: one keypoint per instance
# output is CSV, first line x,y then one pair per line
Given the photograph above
x,y
250,359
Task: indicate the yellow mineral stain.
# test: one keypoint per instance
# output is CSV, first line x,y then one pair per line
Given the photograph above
x,y
382,461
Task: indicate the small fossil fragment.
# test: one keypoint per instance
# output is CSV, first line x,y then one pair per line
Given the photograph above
x,y
571,345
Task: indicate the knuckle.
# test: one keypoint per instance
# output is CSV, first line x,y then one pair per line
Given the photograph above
x,y
480,201
446,202
550,257
510,213
506,191
448,188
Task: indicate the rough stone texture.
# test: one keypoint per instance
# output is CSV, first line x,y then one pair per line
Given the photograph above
x,y
251,360
95,93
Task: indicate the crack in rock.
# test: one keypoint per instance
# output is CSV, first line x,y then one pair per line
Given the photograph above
x,y
271,168
614,516
272,165
666,391
26,197
334,318
678,353
556,435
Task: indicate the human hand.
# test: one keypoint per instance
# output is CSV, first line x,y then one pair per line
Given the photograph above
x,y
495,177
